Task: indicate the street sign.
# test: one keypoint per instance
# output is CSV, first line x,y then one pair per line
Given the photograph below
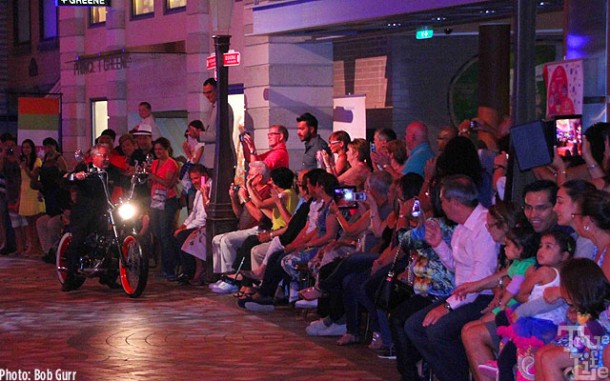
x,y
84,3
231,58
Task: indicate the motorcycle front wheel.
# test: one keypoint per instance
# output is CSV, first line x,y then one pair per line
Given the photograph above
x,y
61,261
133,267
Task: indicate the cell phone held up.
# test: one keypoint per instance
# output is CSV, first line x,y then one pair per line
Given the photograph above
x,y
347,197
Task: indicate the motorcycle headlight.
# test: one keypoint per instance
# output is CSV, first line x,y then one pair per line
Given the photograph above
x,y
127,211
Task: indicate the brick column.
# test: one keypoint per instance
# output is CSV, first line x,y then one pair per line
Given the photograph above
x,y
198,42
116,80
71,31
286,77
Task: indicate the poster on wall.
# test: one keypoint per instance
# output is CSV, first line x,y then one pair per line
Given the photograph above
x,y
349,115
564,85
38,118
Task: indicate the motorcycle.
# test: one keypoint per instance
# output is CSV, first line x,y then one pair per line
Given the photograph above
x,y
113,250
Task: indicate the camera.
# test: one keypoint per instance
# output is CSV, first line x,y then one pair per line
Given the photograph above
x,y
474,125
373,147
346,196
236,188
10,151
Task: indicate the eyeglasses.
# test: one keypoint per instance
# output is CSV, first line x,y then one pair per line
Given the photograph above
x,y
103,155
208,92
334,142
537,208
493,225
273,133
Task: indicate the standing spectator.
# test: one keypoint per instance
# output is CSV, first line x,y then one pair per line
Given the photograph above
x,y
444,135
193,149
418,147
49,181
164,204
277,156
209,136
307,129
9,174
31,206
435,330
147,121
397,152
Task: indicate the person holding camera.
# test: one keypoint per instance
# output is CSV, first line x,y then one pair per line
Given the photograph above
x,y
277,156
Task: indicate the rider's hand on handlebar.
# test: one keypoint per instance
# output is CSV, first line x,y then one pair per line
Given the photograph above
x,y
80,175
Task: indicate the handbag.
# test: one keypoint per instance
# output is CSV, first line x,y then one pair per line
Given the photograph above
x,y
391,292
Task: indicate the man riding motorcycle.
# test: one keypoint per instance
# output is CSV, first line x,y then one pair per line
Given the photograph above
x,y
90,206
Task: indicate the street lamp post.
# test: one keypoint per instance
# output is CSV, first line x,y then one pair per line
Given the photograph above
x,y
220,214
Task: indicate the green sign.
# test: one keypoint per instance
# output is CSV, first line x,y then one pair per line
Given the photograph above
x,y
83,3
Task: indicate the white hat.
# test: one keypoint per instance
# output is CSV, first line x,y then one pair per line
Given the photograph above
x,y
142,129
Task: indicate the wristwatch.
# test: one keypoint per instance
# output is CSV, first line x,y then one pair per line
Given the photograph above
x,y
448,307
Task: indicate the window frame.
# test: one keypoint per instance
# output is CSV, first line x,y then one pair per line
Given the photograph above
x,y
168,10
99,23
41,16
92,102
17,23
140,16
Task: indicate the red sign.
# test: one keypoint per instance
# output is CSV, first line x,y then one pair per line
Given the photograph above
x,y
231,58
211,62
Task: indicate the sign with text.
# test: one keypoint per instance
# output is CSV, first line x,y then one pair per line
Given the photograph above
x,y
231,58
83,3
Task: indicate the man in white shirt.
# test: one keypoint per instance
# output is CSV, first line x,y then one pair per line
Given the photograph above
x,y
195,220
435,330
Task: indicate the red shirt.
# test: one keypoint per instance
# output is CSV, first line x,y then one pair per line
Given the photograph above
x,y
276,158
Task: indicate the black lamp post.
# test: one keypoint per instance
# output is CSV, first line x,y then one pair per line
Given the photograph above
x,y
220,214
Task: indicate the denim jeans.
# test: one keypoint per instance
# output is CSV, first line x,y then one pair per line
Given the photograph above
x,y
162,224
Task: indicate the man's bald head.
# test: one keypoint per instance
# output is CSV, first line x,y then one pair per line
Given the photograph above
x,y
415,134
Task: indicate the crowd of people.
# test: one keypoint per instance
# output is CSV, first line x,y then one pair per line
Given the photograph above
x,y
481,286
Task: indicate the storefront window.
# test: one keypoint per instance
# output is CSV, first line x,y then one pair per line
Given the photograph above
x,y
99,117
142,7
172,5
97,15
22,22
48,20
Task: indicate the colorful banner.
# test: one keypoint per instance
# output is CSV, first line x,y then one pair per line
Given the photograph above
x,y
564,85
38,119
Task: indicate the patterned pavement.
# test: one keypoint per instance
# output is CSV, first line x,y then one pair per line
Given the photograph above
x,y
170,333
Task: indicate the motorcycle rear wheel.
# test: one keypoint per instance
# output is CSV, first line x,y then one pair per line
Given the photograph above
x,y
133,267
61,262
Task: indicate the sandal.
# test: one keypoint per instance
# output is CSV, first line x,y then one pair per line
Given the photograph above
x,y
348,339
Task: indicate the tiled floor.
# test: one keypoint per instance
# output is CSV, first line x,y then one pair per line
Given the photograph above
x,y
170,333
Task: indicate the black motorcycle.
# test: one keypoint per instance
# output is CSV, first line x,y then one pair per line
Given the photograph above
x,y
114,250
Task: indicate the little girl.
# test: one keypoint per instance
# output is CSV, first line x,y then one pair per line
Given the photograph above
x,y
585,287
529,330
520,248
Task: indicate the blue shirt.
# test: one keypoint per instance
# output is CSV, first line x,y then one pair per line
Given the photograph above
x,y
418,158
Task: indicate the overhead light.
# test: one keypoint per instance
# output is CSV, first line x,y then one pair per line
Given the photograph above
x,y
394,25
439,18
424,32
487,12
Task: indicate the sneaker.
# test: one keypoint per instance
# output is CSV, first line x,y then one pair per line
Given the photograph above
x,y
257,307
225,288
333,330
293,295
315,327
306,304
376,342
215,284
388,354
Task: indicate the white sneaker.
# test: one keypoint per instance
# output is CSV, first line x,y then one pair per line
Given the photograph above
x,y
215,284
315,327
333,330
306,303
225,288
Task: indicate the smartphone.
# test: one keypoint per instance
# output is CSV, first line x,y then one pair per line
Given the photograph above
x,y
568,135
372,147
416,211
345,196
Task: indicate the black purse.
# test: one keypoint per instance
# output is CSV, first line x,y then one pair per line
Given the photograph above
x,y
391,292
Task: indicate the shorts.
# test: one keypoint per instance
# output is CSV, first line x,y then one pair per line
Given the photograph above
x,y
17,221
